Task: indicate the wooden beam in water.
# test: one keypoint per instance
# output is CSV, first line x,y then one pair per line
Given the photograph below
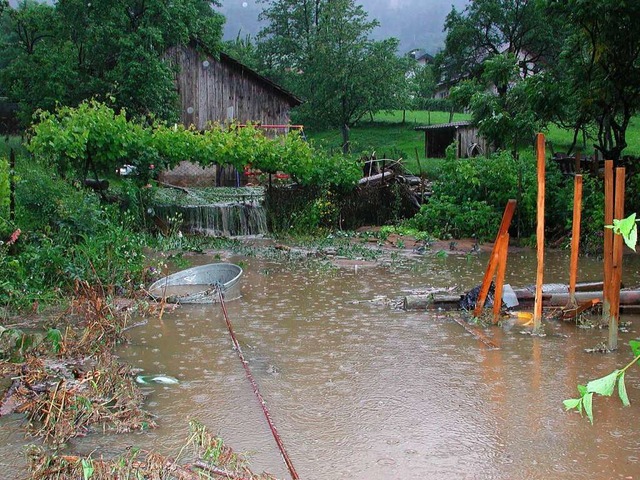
x,y
537,309
608,240
616,263
502,268
503,231
575,240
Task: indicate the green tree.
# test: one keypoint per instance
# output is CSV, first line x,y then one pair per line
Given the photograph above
x,y
321,50
75,50
600,65
422,85
243,49
490,27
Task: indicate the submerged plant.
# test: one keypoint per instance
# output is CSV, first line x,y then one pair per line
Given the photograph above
x,y
605,386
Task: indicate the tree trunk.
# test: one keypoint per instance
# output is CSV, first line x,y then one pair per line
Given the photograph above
x,y
345,138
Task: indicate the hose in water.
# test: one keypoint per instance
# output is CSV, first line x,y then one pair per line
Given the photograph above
x,y
274,431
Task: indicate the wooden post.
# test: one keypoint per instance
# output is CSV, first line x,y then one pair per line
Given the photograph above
x,y
421,177
608,241
493,260
578,166
575,240
537,308
12,185
616,264
502,268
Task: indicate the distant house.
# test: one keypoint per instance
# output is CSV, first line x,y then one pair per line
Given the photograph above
x,y
225,90
469,143
222,90
421,57
526,67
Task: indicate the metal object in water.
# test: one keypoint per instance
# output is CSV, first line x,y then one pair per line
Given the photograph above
x,y
197,284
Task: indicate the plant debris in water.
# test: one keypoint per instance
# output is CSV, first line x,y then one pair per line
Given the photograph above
x,y
208,456
69,384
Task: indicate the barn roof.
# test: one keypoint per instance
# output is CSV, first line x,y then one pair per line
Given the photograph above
x,y
462,123
236,65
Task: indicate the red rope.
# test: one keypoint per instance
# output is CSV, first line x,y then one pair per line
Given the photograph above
x,y
274,431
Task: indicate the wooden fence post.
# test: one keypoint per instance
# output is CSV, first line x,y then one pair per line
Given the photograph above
x,y
616,263
608,241
537,309
575,240
12,185
493,260
502,268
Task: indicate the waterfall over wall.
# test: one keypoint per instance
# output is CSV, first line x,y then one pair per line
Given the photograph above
x,y
238,213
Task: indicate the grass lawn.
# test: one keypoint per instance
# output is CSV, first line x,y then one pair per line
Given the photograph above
x,y
389,137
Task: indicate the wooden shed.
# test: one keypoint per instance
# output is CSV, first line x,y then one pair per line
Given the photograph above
x,y
221,90
224,90
438,137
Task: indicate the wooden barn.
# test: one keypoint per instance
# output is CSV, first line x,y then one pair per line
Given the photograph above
x,y
438,137
221,90
224,90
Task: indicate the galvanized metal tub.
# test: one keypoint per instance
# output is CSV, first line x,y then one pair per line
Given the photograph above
x,y
198,284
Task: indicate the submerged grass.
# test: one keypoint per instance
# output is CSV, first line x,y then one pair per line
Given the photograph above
x,y
68,384
209,457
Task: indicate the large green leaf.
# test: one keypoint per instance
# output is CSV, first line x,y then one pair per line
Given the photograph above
x,y
571,403
622,391
605,385
587,403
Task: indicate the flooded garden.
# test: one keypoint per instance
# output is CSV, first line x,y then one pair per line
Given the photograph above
x,y
360,388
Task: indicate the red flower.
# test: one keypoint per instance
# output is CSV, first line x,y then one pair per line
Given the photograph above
x,y
14,237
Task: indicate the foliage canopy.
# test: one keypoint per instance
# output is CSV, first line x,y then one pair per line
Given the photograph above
x,y
322,51
74,50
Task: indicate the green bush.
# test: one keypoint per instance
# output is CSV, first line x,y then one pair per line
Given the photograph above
x,y
47,203
443,218
71,138
471,194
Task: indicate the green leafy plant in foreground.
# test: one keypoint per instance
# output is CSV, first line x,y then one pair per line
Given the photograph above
x,y
628,228
606,385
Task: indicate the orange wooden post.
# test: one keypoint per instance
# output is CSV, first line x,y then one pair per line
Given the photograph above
x,y
537,308
575,240
608,241
502,268
507,216
616,264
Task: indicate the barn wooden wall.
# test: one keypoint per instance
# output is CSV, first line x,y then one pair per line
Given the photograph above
x,y
220,91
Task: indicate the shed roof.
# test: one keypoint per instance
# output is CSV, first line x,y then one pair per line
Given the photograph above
x,y
233,63
462,123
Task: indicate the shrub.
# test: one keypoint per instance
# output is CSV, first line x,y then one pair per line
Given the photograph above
x,y
92,133
471,194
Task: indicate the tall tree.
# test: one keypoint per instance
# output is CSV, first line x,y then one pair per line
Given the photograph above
x,y
490,27
77,49
322,51
601,66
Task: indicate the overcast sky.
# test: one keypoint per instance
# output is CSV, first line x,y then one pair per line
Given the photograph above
x,y
416,23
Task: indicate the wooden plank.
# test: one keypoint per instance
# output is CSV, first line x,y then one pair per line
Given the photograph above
x,y
507,216
608,239
537,309
575,239
502,268
616,264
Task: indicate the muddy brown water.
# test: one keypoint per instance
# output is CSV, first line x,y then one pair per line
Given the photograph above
x,y
361,390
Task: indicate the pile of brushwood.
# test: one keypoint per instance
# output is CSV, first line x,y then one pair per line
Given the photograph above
x,y
67,383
